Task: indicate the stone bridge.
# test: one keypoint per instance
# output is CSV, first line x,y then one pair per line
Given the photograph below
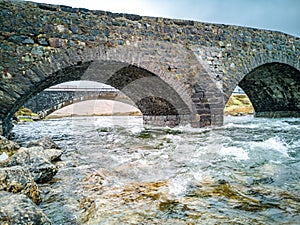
x,y
175,71
51,100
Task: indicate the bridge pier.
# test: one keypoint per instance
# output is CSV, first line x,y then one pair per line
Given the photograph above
x,y
165,120
171,120
1,128
5,127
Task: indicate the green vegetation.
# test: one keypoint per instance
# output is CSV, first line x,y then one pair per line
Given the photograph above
x,y
25,115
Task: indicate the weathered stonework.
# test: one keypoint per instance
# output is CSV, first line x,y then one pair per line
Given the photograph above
x,y
47,102
188,69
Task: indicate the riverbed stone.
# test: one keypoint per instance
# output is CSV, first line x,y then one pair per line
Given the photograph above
x,y
49,154
17,209
45,142
41,169
17,179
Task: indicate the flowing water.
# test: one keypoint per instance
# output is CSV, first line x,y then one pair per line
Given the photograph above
x,y
115,171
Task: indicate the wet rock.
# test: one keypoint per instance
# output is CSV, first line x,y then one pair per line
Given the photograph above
x,y
41,169
17,179
38,50
88,207
74,29
43,41
57,43
28,41
18,209
132,17
140,191
45,142
60,28
49,154
17,39
7,146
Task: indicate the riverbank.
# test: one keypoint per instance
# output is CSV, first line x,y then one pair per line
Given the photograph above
x,y
238,105
23,170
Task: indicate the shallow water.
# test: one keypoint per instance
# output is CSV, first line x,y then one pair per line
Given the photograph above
x,y
115,171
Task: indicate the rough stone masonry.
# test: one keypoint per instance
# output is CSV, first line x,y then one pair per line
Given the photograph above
x,y
175,71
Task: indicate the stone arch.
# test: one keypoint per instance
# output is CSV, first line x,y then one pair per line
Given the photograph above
x,y
45,111
272,83
143,63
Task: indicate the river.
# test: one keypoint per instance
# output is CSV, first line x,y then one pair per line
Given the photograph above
x,y
116,171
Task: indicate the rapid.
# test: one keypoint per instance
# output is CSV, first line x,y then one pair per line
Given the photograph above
x,y
114,170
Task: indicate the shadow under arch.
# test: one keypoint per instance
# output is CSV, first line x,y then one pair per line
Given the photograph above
x,y
136,83
274,90
159,103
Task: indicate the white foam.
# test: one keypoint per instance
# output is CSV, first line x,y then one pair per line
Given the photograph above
x,y
3,156
238,152
274,143
235,125
136,129
178,186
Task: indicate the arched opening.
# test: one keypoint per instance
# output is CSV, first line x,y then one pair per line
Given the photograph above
x,y
274,90
156,99
79,98
238,104
96,108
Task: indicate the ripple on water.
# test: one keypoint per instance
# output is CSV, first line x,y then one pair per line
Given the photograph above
x,y
119,172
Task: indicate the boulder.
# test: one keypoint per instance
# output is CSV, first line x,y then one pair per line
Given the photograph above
x,y
7,146
41,169
45,142
18,209
17,179
49,154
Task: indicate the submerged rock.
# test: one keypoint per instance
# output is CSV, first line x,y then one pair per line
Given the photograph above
x,y
18,209
41,169
17,179
45,142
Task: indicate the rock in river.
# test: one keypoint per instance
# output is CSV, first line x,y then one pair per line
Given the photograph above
x,y
41,168
45,142
18,209
17,179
